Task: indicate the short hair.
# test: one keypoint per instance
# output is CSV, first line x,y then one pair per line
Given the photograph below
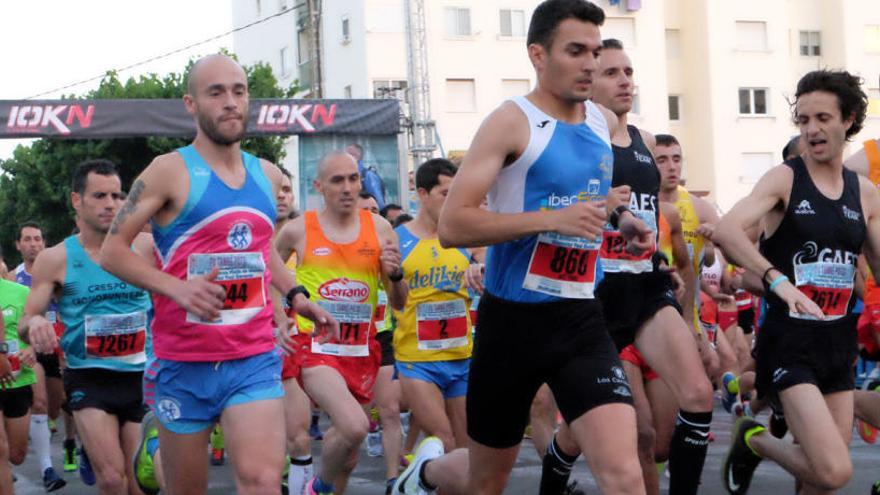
x,y
851,100
550,13
666,140
612,44
286,173
28,224
790,146
97,166
389,207
365,195
402,219
428,174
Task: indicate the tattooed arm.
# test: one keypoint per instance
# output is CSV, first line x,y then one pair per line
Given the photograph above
x,y
159,192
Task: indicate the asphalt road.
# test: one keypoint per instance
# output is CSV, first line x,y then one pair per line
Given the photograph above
x,y
368,477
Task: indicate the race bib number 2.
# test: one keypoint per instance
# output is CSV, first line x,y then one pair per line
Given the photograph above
x,y
242,275
354,320
442,325
563,266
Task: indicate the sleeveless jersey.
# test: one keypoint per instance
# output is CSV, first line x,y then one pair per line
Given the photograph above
x,y
690,222
435,325
712,274
562,164
817,244
633,166
24,278
12,299
230,229
108,320
344,280
872,152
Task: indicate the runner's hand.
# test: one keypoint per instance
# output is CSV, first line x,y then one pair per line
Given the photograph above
x,y
722,298
284,341
390,258
618,196
584,219
201,296
797,301
28,357
638,236
6,377
707,230
678,285
326,327
41,334
473,277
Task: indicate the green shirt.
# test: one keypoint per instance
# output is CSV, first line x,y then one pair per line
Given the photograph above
x,y
12,299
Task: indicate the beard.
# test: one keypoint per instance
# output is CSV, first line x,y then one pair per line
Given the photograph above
x,y
212,130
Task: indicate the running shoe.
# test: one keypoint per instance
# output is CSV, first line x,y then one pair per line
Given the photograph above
x,y
408,482
218,452
70,462
389,485
315,432
875,489
51,480
866,431
574,489
53,427
218,457
142,464
740,463
778,426
374,443
86,473
310,488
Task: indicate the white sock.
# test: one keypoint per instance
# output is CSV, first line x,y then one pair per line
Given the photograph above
x,y
40,440
301,471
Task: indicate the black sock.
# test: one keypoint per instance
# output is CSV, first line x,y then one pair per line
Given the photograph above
x,y
298,462
556,470
69,443
687,452
315,419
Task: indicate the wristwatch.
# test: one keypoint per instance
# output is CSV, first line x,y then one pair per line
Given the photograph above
x,y
4,348
299,289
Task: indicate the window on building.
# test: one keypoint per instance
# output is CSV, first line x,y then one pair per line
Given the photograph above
x,y
809,43
458,21
621,28
259,6
389,88
755,165
674,107
346,30
346,92
303,47
513,23
753,101
461,95
751,36
514,87
673,43
872,38
285,61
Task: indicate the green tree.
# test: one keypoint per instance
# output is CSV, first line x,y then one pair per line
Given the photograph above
x,y
35,184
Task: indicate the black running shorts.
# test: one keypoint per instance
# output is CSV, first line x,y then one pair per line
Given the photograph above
x,y
789,353
629,300
16,402
519,346
50,365
118,393
384,339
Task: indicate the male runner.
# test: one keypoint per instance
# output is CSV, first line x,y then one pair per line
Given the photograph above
x,y
817,218
106,337
48,388
637,294
433,338
343,252
16,365
211,207
545,160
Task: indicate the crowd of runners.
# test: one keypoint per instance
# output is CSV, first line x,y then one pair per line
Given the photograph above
x,y
199,314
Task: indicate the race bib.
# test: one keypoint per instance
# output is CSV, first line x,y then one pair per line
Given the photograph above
x,y
616,259
13,357
475,303
118,337
242,275
379,316
442,325
828,284
354,329
563,266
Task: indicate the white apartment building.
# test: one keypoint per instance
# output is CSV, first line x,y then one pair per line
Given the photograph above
x,y
715,73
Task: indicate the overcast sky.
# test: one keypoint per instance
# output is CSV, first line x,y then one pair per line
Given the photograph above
x,y
46,44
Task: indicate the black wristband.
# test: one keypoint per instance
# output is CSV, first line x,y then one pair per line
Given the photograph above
x,y
396,276
292,293
614,219
767,272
